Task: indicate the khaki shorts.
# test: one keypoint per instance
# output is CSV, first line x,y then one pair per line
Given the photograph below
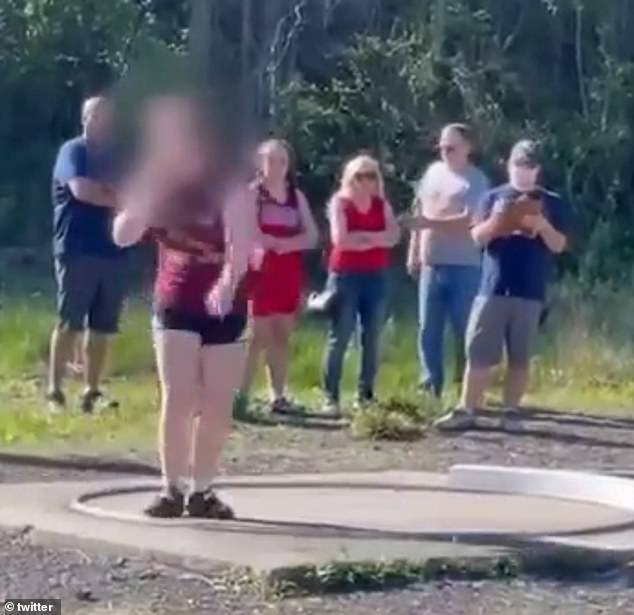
x,y
499,322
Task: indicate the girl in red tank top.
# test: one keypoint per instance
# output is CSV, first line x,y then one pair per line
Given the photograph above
x,y
363,230
286,229
204,238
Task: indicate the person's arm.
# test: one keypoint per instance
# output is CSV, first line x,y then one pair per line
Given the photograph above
x,y
426,192
553,234
128,228
92,192
339,234
309,236
389,237
132,222
555,241
386,238
241,231
71,169
413,253
487,224
486,232
458,223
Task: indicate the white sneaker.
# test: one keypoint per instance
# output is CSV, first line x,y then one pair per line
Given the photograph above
x,y
511,421
460,419
331,410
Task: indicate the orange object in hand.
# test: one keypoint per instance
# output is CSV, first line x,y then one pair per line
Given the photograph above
x,y
512,213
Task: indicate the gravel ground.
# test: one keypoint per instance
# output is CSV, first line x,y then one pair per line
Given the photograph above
x,y
94,584
550,440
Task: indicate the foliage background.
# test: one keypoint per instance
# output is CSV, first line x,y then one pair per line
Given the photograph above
x,y
335,76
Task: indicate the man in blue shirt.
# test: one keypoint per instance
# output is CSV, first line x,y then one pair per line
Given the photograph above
x,y
88,266
520,227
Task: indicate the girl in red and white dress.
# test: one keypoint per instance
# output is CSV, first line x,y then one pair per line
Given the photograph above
x,y
287,229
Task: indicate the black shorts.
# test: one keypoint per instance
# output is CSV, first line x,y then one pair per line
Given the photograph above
x,y
90,292
213,331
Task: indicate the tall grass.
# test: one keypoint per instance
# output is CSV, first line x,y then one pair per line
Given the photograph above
x,y
585,362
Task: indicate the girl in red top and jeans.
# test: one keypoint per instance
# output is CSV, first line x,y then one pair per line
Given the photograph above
x,y
204,234
286,228
363,230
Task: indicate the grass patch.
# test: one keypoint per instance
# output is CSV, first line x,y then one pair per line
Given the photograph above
x,y
395,418
585,362
381,575
543,562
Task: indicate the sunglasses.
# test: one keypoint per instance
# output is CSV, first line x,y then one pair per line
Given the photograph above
x,y
366,176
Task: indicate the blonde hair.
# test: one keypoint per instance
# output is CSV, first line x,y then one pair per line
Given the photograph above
x,y
362,163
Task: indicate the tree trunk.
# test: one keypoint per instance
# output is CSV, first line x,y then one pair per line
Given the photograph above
x,y
439,21
585,107
246,69
200,36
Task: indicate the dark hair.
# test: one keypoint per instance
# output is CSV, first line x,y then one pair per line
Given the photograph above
x,y
291,174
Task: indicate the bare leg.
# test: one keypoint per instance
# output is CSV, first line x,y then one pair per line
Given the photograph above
x,y
179,361
222,372
76,364
282,327
259,341
95,353
62,344
476,381
515,386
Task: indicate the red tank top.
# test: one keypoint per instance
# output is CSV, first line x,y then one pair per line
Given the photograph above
x,y
361,261
279,219
190,261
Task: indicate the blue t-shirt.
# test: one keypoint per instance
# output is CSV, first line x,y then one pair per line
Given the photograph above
x,y
520,266
79,227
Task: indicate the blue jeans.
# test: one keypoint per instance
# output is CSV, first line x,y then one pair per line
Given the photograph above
x,y
362,296
445,292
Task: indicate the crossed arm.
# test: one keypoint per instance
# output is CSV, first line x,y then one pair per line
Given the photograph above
x,y
361,240
92,192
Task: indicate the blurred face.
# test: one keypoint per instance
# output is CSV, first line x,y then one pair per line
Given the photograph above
x,y
176,138
523,176
454,149
274,162
365,181
97,120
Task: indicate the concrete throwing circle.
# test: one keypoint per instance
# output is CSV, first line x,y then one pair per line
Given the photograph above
x,y
408,505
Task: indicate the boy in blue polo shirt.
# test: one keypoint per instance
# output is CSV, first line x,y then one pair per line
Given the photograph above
x,y
517,266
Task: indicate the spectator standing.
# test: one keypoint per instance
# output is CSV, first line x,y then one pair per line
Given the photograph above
x,y
521,226
363,229
89,267
287,229
442,252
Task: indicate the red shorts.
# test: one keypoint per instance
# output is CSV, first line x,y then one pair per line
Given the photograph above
x,y
277,288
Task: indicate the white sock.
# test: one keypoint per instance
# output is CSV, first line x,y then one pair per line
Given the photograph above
x,y
199,485
180,484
